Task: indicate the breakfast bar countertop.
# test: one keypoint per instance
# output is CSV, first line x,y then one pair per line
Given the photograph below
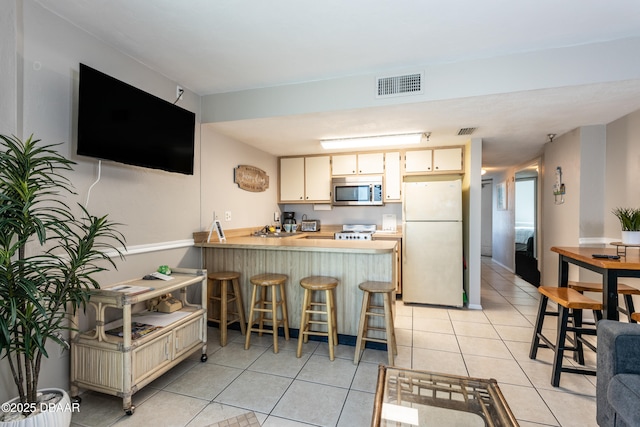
x,y
303,242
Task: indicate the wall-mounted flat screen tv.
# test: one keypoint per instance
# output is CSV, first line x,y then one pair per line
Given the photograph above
x,y
119,122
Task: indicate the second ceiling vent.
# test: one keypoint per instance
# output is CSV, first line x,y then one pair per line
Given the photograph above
x,y
466,131
407,84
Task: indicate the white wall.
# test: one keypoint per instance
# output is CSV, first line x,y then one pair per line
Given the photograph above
x,y
579,220
623,170
40,55
560,221
622,175
220,155
568,66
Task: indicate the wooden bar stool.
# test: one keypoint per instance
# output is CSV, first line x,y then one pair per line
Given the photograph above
x,y
220,298
309,308
369,309
570,304
259,307
625,290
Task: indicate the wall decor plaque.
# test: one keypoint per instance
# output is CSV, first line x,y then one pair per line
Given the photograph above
x,y
251,178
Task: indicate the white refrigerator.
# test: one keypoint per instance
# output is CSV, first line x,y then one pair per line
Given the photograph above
x,y
432,260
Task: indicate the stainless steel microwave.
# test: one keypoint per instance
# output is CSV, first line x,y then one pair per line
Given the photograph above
x,y
357,191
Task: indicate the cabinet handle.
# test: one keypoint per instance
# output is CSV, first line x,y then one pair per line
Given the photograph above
x,y
300,197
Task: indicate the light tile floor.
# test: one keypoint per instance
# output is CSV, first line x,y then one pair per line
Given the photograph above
x,y
286,391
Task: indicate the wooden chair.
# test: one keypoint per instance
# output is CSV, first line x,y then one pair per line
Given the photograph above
x,y
268,304
220,296
310,308
570,304
385,289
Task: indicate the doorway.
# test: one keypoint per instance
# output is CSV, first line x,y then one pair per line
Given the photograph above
x,y
526,224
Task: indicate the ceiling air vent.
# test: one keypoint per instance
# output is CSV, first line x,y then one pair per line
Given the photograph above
x,y
408,84
466,131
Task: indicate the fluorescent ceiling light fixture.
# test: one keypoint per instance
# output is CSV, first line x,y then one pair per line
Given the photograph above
x,y
372,141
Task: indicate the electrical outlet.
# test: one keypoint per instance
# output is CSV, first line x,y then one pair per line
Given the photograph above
x,y
276,216
179,92
227,215
215,216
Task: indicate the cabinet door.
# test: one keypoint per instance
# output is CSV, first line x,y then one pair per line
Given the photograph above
x,y
447,159
318,179
292,179
418,161
188,335
151,357
392,182
371,163
344,164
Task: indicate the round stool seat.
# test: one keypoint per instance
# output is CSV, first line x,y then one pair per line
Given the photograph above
x,y
377,287
224,275
319,283
268,279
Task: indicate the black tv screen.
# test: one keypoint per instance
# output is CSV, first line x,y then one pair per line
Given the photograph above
x,y
119,122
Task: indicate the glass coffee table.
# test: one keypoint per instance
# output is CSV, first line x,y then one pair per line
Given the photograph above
x,y
405,397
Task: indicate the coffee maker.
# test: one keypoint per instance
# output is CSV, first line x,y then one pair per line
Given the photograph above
x,y
289,223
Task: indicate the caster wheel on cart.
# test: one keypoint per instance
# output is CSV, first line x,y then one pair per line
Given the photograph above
x,y
130,411
204,358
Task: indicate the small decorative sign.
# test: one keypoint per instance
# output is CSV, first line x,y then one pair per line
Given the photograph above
x,y
251,178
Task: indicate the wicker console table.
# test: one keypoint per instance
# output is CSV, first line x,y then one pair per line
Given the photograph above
x,y
121,365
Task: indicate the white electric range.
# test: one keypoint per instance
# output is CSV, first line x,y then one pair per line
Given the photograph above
x,y
356,232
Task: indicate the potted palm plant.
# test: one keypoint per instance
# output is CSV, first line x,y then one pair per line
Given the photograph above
x,y
630,222
48,259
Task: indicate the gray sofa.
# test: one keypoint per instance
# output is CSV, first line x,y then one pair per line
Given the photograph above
x,y
618,374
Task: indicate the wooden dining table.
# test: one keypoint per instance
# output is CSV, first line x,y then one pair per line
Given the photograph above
x,y
628,265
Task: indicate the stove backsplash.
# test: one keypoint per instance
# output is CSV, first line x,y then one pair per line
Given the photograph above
x,y
339,215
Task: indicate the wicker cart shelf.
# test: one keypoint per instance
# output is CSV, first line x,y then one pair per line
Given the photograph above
x,y
120,366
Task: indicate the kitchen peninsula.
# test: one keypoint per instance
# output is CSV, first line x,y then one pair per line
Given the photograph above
x,y
301,255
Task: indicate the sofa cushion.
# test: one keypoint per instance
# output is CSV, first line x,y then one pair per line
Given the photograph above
x,y
623,394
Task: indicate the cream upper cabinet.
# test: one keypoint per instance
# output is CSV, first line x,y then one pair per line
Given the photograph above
x,y
317,174
418,161
435,160
292,179
305,179
371,163
447,159
344,164
392,179
354,164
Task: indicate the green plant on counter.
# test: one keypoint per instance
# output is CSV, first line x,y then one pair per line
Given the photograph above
x,y
629,218
48,257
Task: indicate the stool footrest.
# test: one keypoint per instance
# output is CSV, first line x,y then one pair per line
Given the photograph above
x,y
378,340
373,313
